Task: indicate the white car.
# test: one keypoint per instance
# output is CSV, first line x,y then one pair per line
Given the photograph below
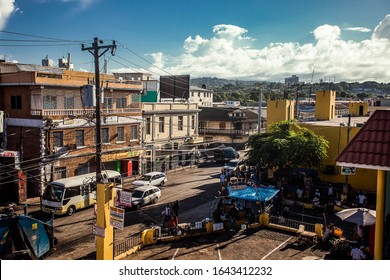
x,y
152,179
233,165
144,195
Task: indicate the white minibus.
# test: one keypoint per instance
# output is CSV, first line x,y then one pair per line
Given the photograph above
x,y
65,196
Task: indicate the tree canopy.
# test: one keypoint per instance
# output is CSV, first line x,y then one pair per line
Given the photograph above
x,y
287,145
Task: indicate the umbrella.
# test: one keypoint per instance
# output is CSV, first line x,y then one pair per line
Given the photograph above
x,y
359,216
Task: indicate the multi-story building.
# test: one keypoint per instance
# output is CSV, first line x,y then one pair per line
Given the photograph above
x,y
51,127
228,125
170,134
201,95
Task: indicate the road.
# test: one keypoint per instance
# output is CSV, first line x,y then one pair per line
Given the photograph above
x,y
193,187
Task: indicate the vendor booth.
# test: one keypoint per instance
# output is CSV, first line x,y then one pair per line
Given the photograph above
x,y
249,200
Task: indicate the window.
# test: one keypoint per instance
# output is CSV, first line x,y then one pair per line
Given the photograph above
x,y
121,134
222,125
107,103
49,102
147,126
106,135
180,122
161,124
192,122
121,102
58,139
68,102
80,138
71,192
60,172
133,132
16,102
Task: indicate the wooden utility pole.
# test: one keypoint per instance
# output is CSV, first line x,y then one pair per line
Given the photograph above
x,y
105,238
94,50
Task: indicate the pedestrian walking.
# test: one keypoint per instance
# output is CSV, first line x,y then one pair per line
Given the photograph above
x,y
233,213
167,215
175,208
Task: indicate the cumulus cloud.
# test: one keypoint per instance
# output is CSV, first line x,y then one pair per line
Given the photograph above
x,y
7,7
383,29
225,55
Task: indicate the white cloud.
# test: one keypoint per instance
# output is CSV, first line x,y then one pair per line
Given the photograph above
x,y
225,55
6,9
383,29
358,29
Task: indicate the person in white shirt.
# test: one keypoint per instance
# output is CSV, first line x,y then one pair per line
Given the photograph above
x,y
361,199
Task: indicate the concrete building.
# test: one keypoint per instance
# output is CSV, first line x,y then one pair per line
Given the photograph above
x,y
170,134
53,131
228,125
202,96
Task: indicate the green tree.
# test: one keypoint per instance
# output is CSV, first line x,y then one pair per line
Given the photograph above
x,y
287,145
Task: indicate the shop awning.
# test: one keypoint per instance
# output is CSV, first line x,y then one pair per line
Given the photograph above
x,y
249,193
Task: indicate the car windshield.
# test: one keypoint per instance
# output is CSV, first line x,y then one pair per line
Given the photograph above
x,y
229,152
145,178
53,193
137,194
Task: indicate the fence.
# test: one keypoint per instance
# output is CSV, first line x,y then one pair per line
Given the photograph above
x,y
122,246
279,220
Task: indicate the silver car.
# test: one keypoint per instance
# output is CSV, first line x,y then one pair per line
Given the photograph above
x,y
152,179
144,195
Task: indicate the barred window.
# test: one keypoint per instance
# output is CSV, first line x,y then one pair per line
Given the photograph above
x,y
121,102
69,102
161,124
106,135
147,126
107,103
58,139
180,122
192,122
49,102
133,132
121,134
80,138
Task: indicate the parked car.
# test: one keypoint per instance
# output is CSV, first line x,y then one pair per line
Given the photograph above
x,y
145,195
152,179
225,154
234,165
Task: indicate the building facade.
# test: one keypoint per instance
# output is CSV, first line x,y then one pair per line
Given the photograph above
x,y
227,125
170,134
50,122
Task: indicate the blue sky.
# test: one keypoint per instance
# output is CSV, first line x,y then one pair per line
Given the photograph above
x,y
343,40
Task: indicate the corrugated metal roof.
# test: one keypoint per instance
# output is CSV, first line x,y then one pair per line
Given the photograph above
x,y
371,145
38,68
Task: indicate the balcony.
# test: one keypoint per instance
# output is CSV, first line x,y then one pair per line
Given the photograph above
x,y
235,132
86,112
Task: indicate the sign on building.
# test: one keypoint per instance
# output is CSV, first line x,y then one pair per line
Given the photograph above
x,y
348,170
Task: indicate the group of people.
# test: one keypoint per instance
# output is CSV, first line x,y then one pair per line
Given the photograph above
x,y
171,217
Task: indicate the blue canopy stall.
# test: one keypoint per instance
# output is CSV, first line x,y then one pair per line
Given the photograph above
x,y
249,193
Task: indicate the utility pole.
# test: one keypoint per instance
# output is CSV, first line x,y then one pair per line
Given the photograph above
x,y
259,113
104,190
94,50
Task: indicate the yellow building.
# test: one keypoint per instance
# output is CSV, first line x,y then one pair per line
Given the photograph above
x,y
279,110
335,130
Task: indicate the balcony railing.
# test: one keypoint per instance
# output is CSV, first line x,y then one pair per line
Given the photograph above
x,y
217,131
82,112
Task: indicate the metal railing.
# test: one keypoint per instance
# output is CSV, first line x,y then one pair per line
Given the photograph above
x,y
122,246
280,220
